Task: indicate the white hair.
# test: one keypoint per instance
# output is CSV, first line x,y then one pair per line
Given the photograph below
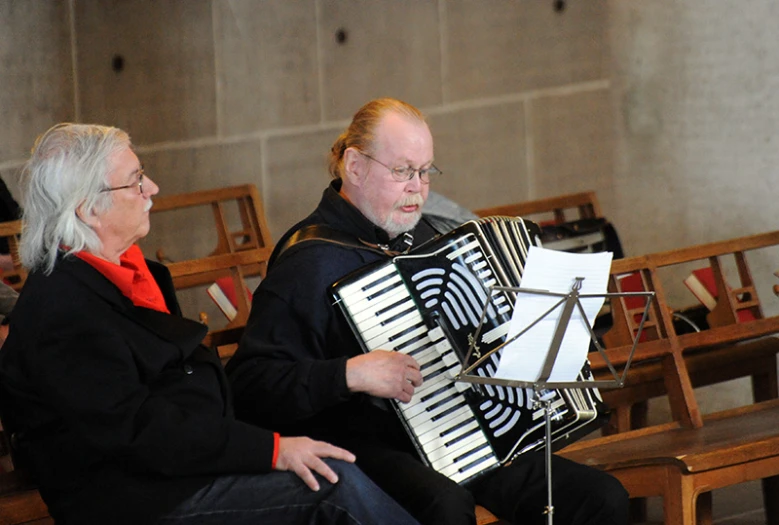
x,y
67,170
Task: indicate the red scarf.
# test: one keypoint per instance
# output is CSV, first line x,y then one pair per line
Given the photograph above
x,y
131,276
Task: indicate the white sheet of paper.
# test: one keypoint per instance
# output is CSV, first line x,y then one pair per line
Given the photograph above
x,y
553,271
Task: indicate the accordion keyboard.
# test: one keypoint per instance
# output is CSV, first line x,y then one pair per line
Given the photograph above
x,y
438,416
428,305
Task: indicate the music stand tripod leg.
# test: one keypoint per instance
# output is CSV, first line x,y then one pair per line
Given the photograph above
x,y
545,397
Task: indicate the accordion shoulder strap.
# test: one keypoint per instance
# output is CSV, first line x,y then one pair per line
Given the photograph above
x,y
323,233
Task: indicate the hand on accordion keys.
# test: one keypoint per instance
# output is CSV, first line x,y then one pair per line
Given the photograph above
x,y
382,373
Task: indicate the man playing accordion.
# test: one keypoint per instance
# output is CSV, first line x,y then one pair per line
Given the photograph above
x,y
300,368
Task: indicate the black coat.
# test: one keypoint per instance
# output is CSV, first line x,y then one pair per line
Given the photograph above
x,y
290,367
120,412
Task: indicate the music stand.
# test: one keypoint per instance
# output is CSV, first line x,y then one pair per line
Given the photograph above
x,y
542,389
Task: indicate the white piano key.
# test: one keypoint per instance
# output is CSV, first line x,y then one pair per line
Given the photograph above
x,y
453,469
444,455
461,415
422,406
360,286
401,342
359,312
463,434
434,417
374,326
488,462
382,340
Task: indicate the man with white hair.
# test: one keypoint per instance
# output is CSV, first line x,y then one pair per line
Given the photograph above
x,y
114,405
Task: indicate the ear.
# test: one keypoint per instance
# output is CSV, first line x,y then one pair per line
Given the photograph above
x,y
354,167
87,217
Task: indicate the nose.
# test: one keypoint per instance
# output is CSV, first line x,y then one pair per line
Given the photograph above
x,y
150,188
414,184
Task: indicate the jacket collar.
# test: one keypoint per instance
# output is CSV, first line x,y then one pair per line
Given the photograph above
x,y
184,333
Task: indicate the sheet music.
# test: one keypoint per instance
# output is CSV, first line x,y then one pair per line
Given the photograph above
x,y
553,271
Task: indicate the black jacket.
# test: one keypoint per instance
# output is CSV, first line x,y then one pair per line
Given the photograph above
x,y
119,411
290,367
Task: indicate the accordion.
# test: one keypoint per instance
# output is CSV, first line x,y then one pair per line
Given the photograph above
x,y
429,304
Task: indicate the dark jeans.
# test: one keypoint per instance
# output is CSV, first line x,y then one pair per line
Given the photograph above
x,y
282,498
516,493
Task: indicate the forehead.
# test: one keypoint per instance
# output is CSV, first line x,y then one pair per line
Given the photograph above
x,y
123,164
404,138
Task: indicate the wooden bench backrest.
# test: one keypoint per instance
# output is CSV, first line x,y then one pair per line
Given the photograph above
x,y
11,231
251,232
584,203
661,340
241,248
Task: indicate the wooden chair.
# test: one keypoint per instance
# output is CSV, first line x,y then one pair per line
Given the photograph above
x,y
231,265
20,502
238,225
709,358
240,247
684,460
14,277
560,208
683,465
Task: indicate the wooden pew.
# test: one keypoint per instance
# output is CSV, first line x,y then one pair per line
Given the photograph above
x,y
684,460
20,502
232,265
728,350
15,276
683,465
585,203
238,246
238,225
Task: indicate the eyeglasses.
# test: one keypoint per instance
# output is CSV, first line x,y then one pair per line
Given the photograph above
x,y
141,175
406,173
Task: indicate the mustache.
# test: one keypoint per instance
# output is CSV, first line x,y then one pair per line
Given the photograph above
x,y
412,200
148,205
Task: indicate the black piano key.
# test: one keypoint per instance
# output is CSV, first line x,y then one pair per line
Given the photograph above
x,y
442,402
474,463
469,453
402,333
454,428
379,281
434,393
391,306
464,435
400,315
448,411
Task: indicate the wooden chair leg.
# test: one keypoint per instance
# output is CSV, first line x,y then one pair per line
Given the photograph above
x,y
638,510
618,422
764,386
639,417
703,509
679,501
771,500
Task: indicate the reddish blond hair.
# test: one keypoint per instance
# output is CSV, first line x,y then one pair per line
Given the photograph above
x,y
360,133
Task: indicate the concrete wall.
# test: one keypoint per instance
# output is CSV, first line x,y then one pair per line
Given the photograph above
x,y
224,92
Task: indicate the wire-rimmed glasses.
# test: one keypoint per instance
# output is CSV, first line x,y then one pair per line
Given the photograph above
x,y
406,173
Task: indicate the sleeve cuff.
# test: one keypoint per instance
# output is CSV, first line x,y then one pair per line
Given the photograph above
x,y
276,438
